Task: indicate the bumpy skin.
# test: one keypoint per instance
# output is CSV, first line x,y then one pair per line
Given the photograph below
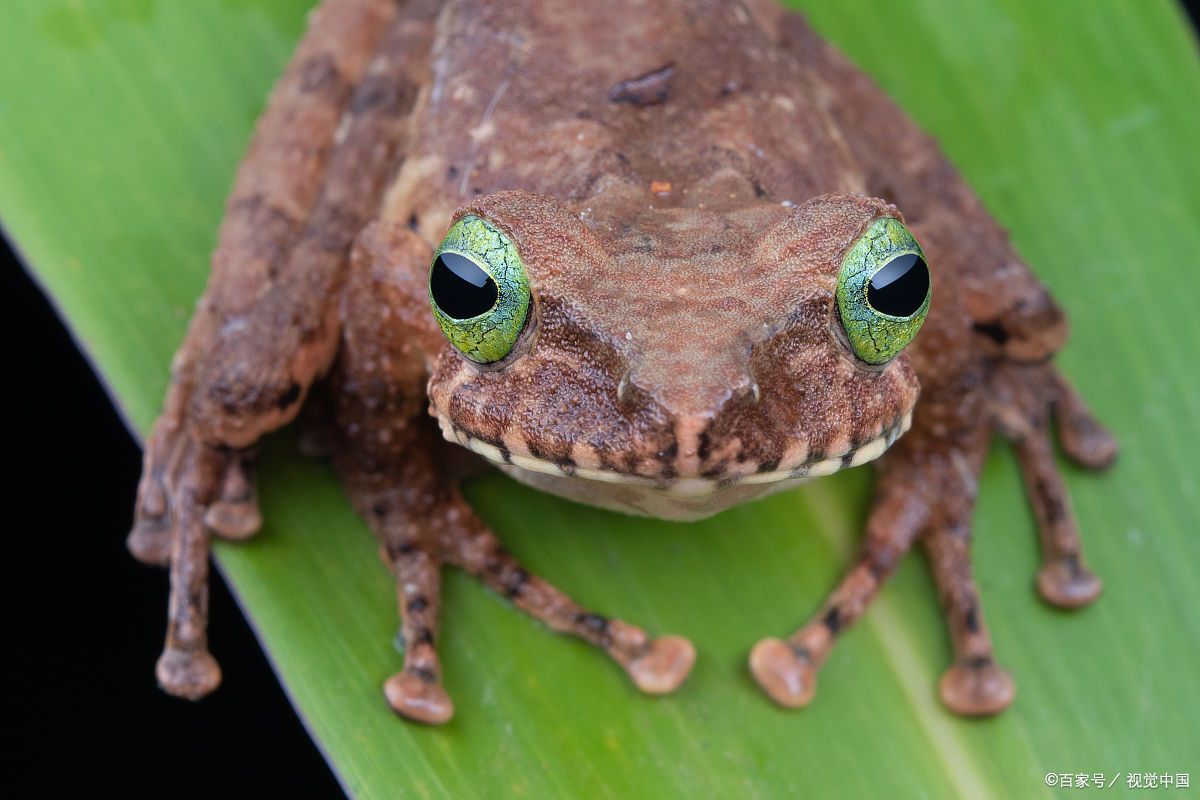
x,y
682,181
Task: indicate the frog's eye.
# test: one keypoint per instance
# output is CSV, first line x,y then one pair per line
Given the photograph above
x,y
883,291
479,290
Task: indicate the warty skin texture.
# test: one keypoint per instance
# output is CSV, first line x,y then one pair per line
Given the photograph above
x,y
682,182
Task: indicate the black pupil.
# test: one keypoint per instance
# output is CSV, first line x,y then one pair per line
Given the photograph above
x,y
460,288
900,287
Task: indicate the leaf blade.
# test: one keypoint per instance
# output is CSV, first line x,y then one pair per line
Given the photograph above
x,y
113,166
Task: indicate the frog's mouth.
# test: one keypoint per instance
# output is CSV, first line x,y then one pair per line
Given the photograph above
x,y
683,487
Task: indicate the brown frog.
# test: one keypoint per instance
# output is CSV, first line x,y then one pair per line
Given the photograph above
x,y
673,275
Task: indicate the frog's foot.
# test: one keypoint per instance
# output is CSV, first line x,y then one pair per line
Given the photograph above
x,y
416,545
233,514
787,669
188,488
170,525
1026,397
916,498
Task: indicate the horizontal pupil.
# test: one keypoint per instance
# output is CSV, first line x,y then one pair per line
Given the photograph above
x,y
460,288
900,288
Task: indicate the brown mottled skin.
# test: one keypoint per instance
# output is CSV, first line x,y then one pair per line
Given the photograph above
x,y
682,181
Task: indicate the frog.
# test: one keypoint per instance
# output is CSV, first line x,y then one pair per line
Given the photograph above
x,y
661,258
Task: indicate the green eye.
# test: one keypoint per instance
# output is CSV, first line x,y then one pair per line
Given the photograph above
x,y
478,290
883,291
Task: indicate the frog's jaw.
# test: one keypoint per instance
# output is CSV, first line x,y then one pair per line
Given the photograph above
x,y
685,498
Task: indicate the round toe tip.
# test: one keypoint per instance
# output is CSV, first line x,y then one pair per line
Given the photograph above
x,y
187,674
664,666
977,690
417,699
785,677
1067,585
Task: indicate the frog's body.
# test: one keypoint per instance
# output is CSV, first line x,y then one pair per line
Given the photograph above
x,y
682,181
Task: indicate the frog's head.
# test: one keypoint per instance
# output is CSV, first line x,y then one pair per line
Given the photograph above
x,y
680,359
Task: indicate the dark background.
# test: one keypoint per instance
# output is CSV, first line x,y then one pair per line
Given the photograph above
x,y
81,710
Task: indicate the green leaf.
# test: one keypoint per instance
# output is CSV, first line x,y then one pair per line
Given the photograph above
x,y
121,122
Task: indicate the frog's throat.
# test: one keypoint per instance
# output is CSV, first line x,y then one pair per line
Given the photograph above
x,y
689,486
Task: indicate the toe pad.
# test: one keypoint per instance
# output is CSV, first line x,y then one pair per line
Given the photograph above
x,y
190,675
977,690
413,697
664,665
788,679
1068,585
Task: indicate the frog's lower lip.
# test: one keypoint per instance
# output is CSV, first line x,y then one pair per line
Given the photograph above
x,y
683,487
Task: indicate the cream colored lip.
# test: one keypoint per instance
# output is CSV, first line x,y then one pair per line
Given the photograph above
x,y
683,487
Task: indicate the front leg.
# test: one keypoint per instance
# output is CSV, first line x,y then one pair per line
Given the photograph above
x,y
267,325
927,489
402,477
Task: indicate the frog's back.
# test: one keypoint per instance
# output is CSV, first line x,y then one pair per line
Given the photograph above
x,y
553,98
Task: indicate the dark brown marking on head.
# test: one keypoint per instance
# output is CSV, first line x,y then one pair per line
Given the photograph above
x,y
648,89
833,620
770,465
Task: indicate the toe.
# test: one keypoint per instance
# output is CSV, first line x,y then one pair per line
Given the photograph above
x,y
787,678
1087,442
150,541
1066,583
1083,438
664,666
417,699
186,674
235,520
977,689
